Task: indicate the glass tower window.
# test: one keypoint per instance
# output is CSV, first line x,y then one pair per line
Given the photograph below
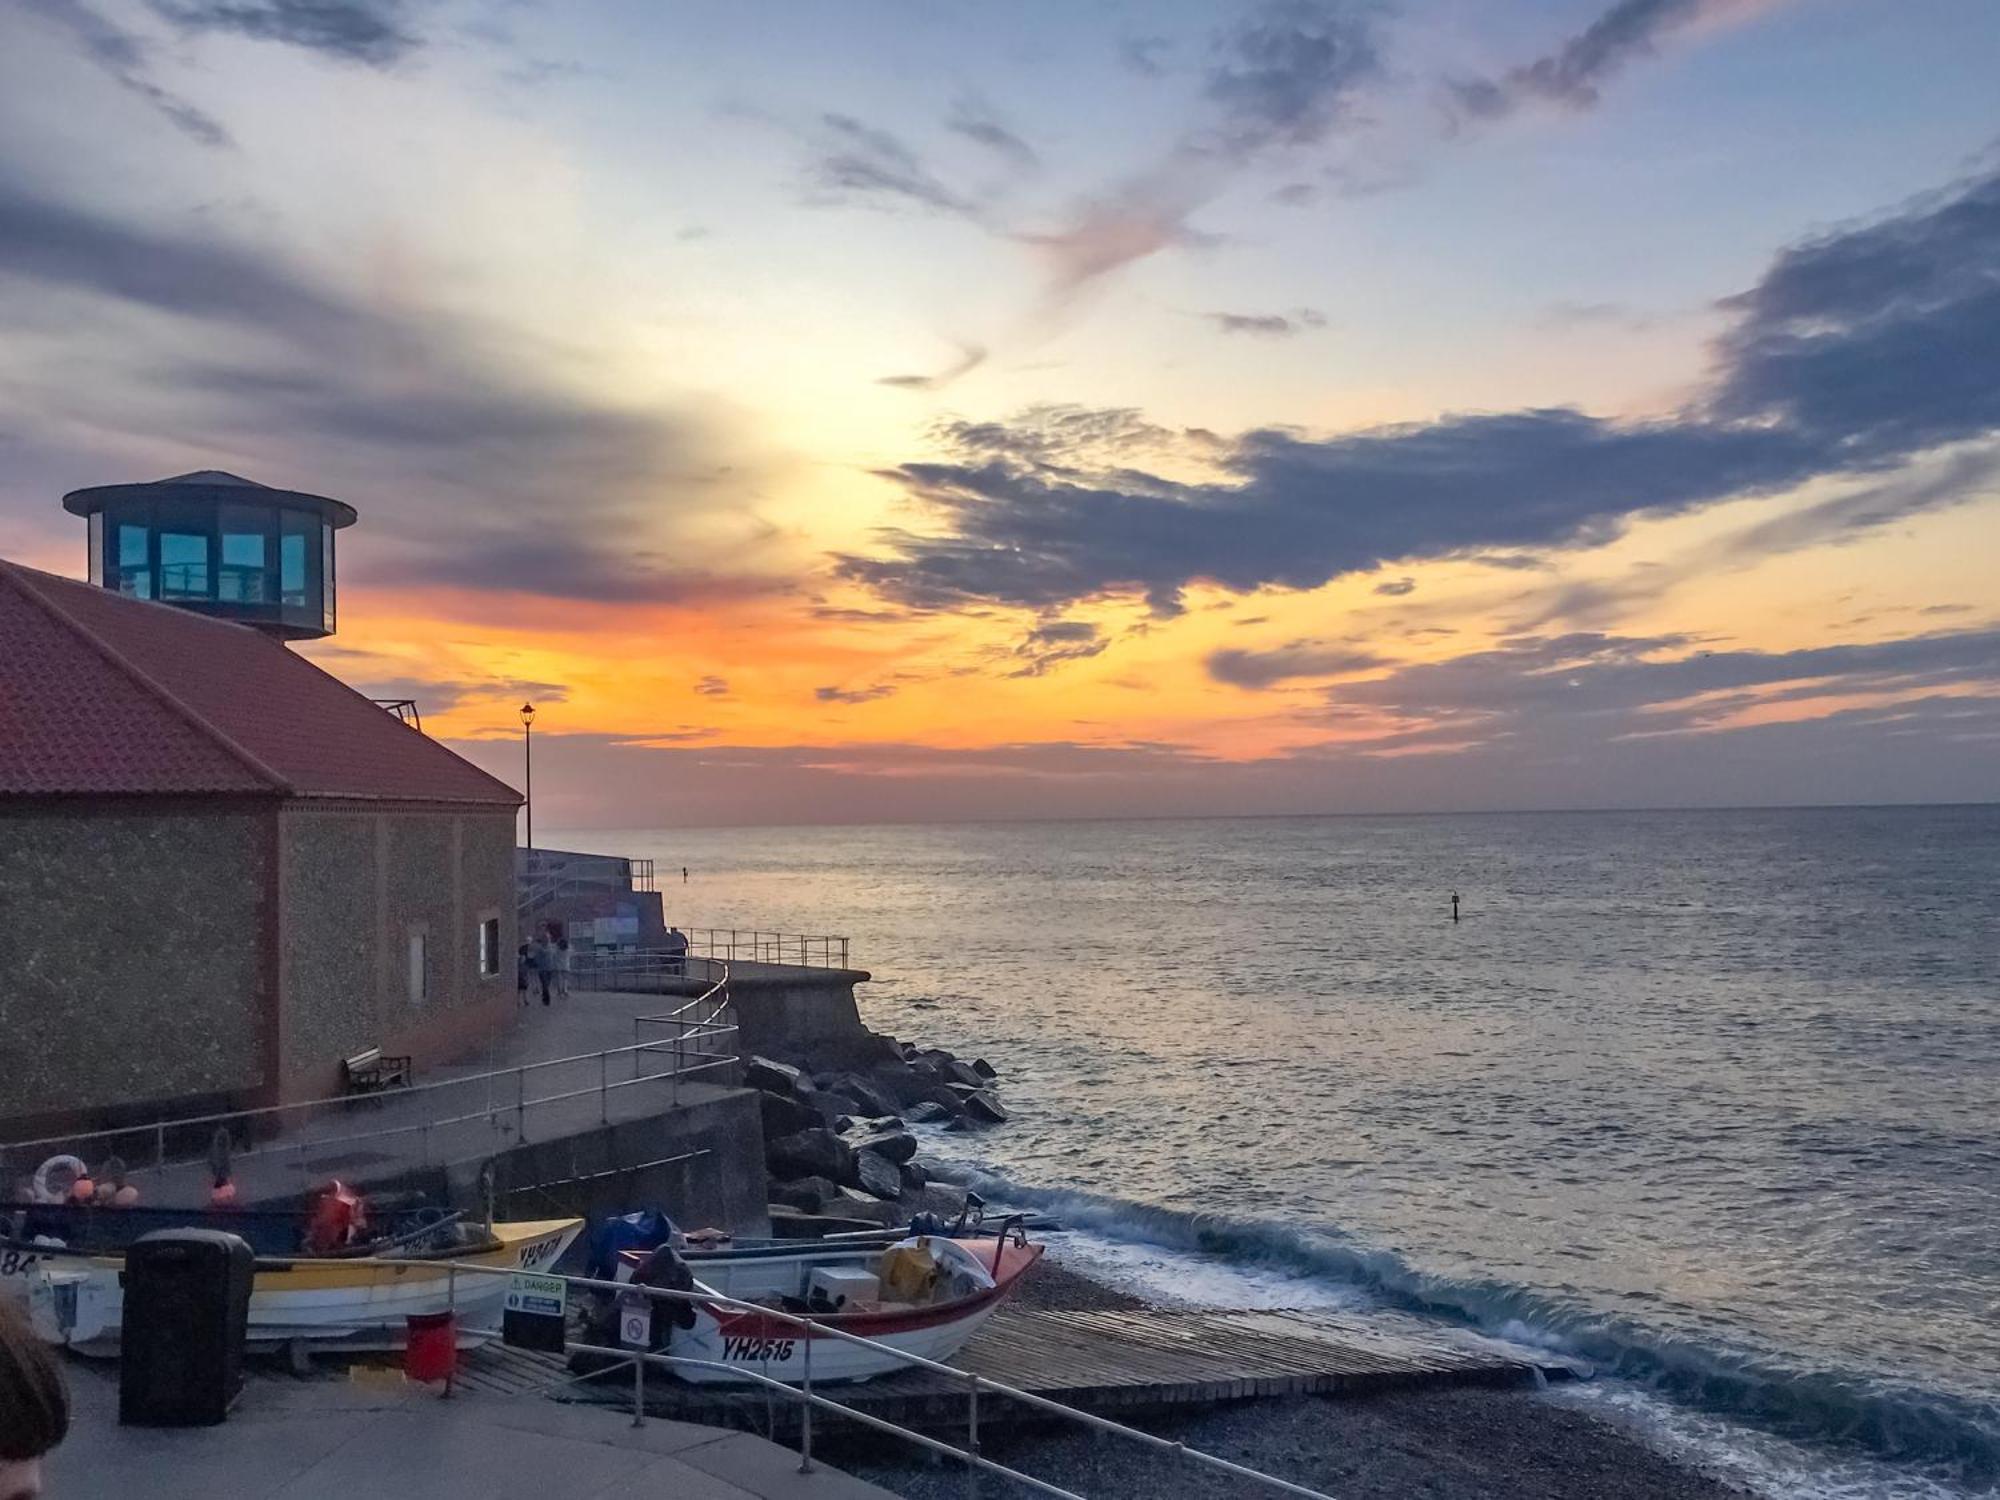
x,y
240,579
184,565
135,566
97,547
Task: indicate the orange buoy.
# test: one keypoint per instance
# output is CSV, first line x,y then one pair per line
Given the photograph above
x,y
82,1190
222,1195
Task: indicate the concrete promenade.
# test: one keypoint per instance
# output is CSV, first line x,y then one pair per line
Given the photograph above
x,y
332,1440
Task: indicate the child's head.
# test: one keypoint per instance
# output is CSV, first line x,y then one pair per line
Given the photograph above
x,y
34,1406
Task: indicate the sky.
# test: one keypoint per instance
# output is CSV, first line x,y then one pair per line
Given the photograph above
x,y
924,410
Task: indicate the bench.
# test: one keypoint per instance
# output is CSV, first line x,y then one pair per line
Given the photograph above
x,y
367,1072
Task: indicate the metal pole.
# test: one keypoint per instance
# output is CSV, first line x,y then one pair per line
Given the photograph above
x,y
639,1389
972,1439
520,1105
603,1079
806,1413
528,759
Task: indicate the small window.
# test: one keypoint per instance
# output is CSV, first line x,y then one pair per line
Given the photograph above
x,y
489,947
184,565
135,565
420,966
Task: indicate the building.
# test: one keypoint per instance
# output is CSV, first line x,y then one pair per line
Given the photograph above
x,y
221,870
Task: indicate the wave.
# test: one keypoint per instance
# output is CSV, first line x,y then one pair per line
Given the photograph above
x,y
1946,1434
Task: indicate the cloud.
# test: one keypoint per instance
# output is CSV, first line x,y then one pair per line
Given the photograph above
x,y
1054,642
970,358
372,33
863,164
445,416
712,687
1146,55
1268,325
854,695
1263,669
1283,74
128,59
1396,588
976,121
1855,353
1573,75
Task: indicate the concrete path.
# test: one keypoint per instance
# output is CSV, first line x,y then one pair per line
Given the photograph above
x,y
327,1440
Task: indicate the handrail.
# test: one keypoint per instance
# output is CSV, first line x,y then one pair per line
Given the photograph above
x,y
709,1029
975,1384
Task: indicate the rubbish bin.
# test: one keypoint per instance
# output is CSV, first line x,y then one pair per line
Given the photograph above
x,y
187,1304
431,1351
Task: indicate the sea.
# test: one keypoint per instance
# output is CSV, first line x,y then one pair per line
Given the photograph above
x,y
1710,1100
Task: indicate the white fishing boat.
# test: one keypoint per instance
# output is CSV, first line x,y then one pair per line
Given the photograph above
x,y
923,1295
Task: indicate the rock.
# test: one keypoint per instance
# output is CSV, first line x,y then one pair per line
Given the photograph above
x,y
984,1068
891,1141
914,1176
810,1153
880,1177
828,1106
877,1211
806,1194
958,1072
785,1116
789,1224
771,1076
930,1112
945,1199
982,1105
873,1100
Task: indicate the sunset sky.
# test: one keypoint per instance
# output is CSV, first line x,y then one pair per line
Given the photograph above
x,y
850,411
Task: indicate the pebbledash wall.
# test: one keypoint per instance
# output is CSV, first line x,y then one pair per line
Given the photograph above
x,y
231,952
136,933
380,921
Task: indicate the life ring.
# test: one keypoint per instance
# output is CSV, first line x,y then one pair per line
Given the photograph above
x,y
41,1189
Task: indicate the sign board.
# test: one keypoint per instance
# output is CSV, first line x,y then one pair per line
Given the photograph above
x,y
534,1316
635,1323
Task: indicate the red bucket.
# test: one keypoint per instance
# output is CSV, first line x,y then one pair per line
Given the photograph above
x,y
432,1350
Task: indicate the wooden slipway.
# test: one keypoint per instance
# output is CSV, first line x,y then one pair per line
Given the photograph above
x,y
1154,1359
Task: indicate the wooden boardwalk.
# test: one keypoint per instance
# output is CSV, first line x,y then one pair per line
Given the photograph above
x,y
1131,1362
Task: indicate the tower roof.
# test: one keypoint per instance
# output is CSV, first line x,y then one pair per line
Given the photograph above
x,y
105,695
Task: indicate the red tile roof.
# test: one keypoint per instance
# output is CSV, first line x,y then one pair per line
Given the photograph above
x,y
100,694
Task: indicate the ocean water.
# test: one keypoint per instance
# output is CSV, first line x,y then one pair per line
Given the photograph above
x,y
1711,1099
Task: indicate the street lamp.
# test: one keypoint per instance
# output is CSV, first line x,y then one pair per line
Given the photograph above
x,y
528,760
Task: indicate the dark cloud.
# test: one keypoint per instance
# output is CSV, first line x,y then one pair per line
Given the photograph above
x,y
1054,642
1262,669
1398,587
970,358
434,694
1146,55
1855,353
128,59
1284,73
864,164
441,419
1573,75
853,695
374,33
1268,325
976,121
712,687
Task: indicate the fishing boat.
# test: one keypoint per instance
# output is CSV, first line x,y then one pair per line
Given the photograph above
x,y
925,1295
354,1296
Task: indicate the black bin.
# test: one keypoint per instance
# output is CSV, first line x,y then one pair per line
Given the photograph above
x,y
187,1304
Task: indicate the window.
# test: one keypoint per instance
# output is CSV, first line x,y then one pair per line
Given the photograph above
x,y
326,576
489,947
135,573
420,965
240,578
97,547
292,569
183,565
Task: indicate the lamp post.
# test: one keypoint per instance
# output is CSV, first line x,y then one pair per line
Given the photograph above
x,y
528,761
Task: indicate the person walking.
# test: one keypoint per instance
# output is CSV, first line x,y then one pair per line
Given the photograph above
x,y
524,965
677,951
545,962
562,968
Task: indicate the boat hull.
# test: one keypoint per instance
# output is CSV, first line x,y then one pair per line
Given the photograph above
x,y
357,1303
728,1346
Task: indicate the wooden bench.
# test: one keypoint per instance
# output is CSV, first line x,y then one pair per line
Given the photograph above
x,y
367,1072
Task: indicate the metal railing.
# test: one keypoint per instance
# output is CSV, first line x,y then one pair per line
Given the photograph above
x,y
810,1400
804,949
447,1122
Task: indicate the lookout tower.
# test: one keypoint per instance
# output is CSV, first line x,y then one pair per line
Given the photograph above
x,y
219,545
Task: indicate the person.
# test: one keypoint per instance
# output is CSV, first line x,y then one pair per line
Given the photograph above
x,y
677,950
684,874
524,965
562,968
34,1406
545,961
